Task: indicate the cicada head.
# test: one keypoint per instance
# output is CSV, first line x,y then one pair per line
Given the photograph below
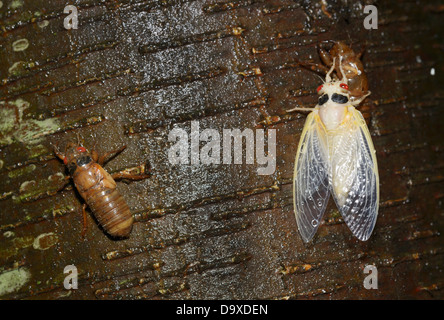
x,y
75,156
334,91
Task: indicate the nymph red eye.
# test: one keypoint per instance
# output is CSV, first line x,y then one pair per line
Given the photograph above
x,y
344,86
65,161
81,149
319,88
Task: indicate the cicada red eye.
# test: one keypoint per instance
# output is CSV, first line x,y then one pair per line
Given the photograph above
x,y
344,86
65,161
81,149
319,88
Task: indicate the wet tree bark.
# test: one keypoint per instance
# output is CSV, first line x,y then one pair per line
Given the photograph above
x,y
135,70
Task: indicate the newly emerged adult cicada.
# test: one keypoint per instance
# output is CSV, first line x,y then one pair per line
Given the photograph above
x,y
336,156
98,188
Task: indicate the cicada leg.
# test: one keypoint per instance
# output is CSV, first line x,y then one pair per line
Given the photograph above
x,y
85,221
103,159
129,176
325,57
358,101
137,173
300,109
57,152
318,68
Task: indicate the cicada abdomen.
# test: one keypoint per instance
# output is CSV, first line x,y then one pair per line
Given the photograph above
x,y
99,190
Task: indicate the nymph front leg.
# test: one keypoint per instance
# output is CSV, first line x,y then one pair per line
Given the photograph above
x,y
103,159
137,173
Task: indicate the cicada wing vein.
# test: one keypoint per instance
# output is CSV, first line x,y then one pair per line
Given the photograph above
x,y
354,175
310,180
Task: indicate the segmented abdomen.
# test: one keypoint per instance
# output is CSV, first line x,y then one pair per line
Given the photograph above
x,y
99,191
111,211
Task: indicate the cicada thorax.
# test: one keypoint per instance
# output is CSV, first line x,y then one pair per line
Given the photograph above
x,y
351,65
333,103
99,190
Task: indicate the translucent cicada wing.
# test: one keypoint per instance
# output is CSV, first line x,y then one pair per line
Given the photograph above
x,y
354,175
310,180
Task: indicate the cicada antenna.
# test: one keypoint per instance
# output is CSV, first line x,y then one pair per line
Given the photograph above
x,y
322,79
327,77
79,142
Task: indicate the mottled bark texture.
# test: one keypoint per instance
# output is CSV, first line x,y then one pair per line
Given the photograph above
x,y
134,70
